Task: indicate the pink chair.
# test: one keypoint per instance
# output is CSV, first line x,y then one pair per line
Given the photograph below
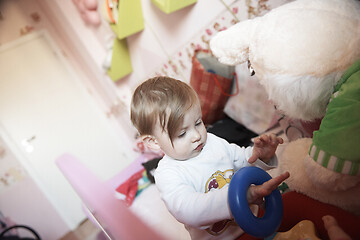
x,y
111,214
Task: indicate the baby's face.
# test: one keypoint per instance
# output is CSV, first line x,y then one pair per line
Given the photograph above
x,y
189,141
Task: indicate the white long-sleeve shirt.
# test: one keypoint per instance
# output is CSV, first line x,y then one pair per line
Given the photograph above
x,y
183,184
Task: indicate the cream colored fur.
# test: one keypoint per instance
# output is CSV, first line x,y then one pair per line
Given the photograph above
x,y
292,53
292,160
299,52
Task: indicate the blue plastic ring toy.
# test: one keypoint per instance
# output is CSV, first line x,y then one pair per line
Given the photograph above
x,y
258,227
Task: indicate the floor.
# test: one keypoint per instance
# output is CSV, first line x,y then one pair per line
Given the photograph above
x,y
86,231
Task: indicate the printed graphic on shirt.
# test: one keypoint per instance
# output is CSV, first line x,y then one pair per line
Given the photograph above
x,y
217,181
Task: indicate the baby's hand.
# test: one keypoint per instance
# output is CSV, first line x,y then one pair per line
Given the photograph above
x,y
256,193
333,229
265,147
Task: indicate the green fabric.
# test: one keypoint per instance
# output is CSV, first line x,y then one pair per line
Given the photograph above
x,y
339,132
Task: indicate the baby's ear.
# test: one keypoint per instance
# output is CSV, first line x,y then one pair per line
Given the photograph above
x,y
151,142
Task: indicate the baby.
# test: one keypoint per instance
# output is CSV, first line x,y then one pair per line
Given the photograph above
x,y
195,172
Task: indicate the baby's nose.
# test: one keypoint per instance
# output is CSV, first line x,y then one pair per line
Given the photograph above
x,y
196,136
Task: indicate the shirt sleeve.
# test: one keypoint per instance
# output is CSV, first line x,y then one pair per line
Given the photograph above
x,y
183,202
273,163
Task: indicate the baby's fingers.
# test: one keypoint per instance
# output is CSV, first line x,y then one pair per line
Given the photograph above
x,y
273,183
256,193
275,140
261,140
333,229
253,158
264,138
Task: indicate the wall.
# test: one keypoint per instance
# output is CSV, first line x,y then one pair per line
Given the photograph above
x,y
166,44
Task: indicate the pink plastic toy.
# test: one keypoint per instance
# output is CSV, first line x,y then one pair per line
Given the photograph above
x,y
111,214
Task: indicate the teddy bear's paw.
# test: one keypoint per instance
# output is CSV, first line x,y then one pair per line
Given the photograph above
x,y
327,179
294,157
291,159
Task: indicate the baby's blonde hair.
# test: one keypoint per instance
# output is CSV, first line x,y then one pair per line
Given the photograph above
x,y
162,99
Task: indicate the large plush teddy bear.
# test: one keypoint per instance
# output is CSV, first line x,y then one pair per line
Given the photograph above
x,y
306,54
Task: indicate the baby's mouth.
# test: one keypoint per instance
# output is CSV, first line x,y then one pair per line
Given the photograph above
x,y
200,147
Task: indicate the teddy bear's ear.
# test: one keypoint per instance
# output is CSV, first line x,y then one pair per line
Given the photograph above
x,y
231,46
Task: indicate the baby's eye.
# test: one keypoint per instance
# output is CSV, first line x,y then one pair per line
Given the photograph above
x,y
199,122
182,134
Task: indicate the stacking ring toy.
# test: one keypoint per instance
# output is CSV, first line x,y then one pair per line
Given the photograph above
x,y
260,227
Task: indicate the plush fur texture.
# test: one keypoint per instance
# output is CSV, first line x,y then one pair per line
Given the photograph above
x,y
292,53
299,52
292,160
